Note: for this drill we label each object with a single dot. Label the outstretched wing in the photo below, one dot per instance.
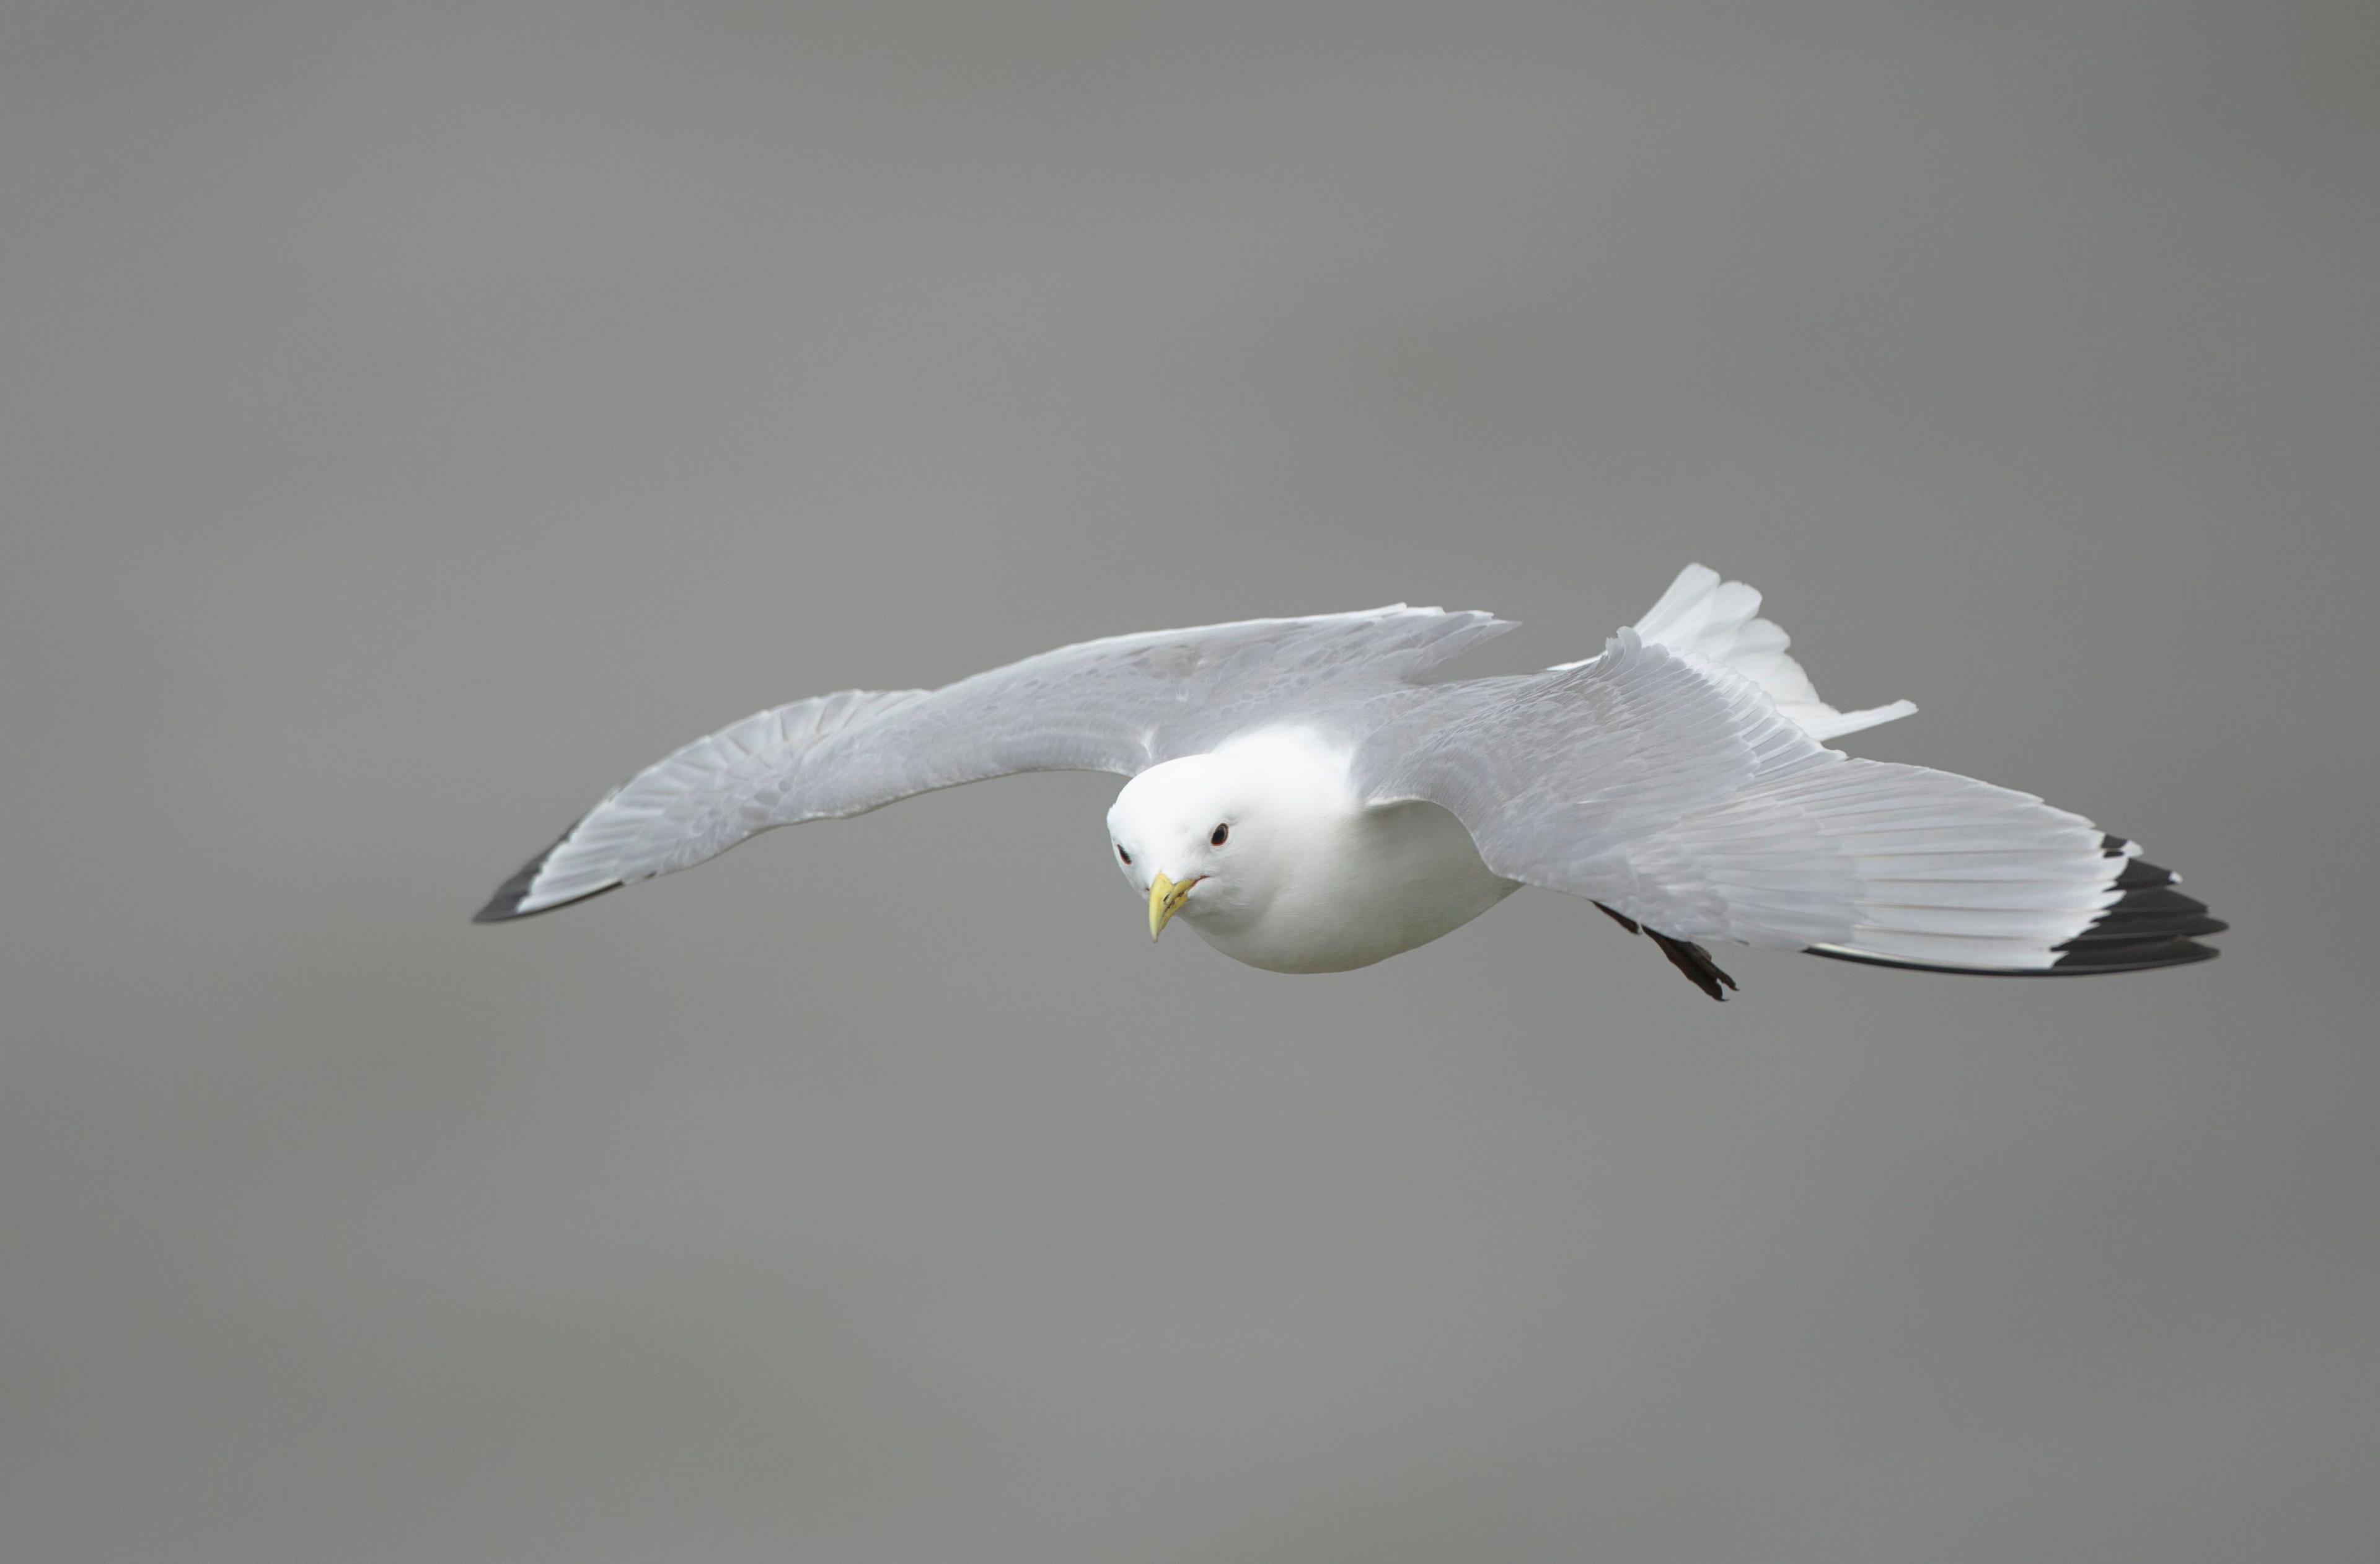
(1672, 789)
(1118, 705)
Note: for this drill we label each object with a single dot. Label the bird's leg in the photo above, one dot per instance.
(1694, 962)
(1684, 954)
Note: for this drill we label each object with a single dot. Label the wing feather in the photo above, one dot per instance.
(1675, 791)
(1117, 705)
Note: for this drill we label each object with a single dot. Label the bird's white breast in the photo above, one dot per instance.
(1360, 885)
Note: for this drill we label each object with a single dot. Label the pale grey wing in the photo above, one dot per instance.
(1674, 791)
(1117, 705)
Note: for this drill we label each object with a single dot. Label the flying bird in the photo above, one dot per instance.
(1308, 798)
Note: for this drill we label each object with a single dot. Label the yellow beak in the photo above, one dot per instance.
(1164, 900)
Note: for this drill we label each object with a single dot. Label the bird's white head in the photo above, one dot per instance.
(1216, 837)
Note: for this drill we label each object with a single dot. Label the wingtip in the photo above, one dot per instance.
(2149, 925)
(504, 906)
(2179, 950)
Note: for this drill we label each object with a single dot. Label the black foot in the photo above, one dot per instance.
(1684, 954)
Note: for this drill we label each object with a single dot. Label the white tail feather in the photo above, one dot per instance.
(1712, 619)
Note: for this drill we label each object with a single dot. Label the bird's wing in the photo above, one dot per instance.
(1674, 789)
(1117, 705)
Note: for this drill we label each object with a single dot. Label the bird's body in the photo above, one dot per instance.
(1309, 798)
(1349, 883)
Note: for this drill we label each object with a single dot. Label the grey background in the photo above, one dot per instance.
(417, 417)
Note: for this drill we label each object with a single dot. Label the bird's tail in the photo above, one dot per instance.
(1714, 620)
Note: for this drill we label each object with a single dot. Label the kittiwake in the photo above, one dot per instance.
(1304, 795)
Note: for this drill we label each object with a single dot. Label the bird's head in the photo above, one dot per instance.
(1191, 836)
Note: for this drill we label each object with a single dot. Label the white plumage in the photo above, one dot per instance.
(1713, 620)
(1310, 799)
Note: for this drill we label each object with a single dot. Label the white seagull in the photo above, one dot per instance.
(1305, 796)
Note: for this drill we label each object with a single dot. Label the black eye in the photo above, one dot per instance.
(1222, 835)
(1124, 856)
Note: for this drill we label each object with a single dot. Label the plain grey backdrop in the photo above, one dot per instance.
(415, 417)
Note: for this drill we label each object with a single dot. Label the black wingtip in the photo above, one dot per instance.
(505, 902)
(2149, 926)
(2138, 956)
(2140, 875)
(504, 906)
